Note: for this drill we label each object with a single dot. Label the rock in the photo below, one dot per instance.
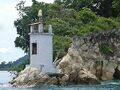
(86, 77)
(86, 53)
(70, 62)
(52, 81)
(56, 62)
(72, 65)
(82, 76)
(29, 77)
(108, 70)
(116, 75)
(64, 80)
(84, 63)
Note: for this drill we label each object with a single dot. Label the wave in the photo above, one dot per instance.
(4, 85)
(111, 82)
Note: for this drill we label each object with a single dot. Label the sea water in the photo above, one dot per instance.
(5, 77)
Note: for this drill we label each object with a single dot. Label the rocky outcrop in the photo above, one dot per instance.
(72, 65)
(98, 54)
(116, 75)
(29, 77)
(89, 59)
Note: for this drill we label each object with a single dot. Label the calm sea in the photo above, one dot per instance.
(5, 77)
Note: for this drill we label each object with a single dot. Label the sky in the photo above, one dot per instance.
(8, 14)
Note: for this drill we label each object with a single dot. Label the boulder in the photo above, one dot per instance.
(116, 75)
(86, 77)
(64, 80)
(70, 62)
(108, 69)
(52, 81)
(30, 76)
(73, 66)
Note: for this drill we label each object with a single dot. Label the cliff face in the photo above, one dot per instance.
(98, 54)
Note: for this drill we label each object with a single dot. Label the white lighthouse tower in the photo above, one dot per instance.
(41, 46)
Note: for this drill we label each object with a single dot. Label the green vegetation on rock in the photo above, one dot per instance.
(106, 49)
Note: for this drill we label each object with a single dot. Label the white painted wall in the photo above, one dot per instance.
(44, 54)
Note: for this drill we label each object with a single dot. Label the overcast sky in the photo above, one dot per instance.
(8, 33)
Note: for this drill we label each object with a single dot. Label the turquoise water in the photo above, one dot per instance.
(101, 87)
(5, 77)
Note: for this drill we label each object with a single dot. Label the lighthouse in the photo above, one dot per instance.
(41, 46)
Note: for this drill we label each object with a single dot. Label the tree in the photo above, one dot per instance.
(69, 18)
(116, 6)
(27, 16)
(2, 65)
(106, 8)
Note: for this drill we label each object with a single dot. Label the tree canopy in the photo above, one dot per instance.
(69, 18)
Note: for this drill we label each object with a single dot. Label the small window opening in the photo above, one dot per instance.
(34, 48)
(35, 28)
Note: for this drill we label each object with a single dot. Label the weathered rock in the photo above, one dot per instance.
(85, 62)
(69, 63)
(116, 75)
(29, 77)
(73, 66)
(86, 53)
(53, 81)
(108, 69)
(64, 80)
(86, 77)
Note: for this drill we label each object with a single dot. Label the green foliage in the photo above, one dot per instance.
(116, 6)
(106, 8)
(60, 45)
(106, 49)
(69, 18)
(27, 16)
(78, 4)
(2, 65)
(86, 16)
(19, 67)
(107, 23)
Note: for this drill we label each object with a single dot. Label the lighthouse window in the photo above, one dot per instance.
(34, 48)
